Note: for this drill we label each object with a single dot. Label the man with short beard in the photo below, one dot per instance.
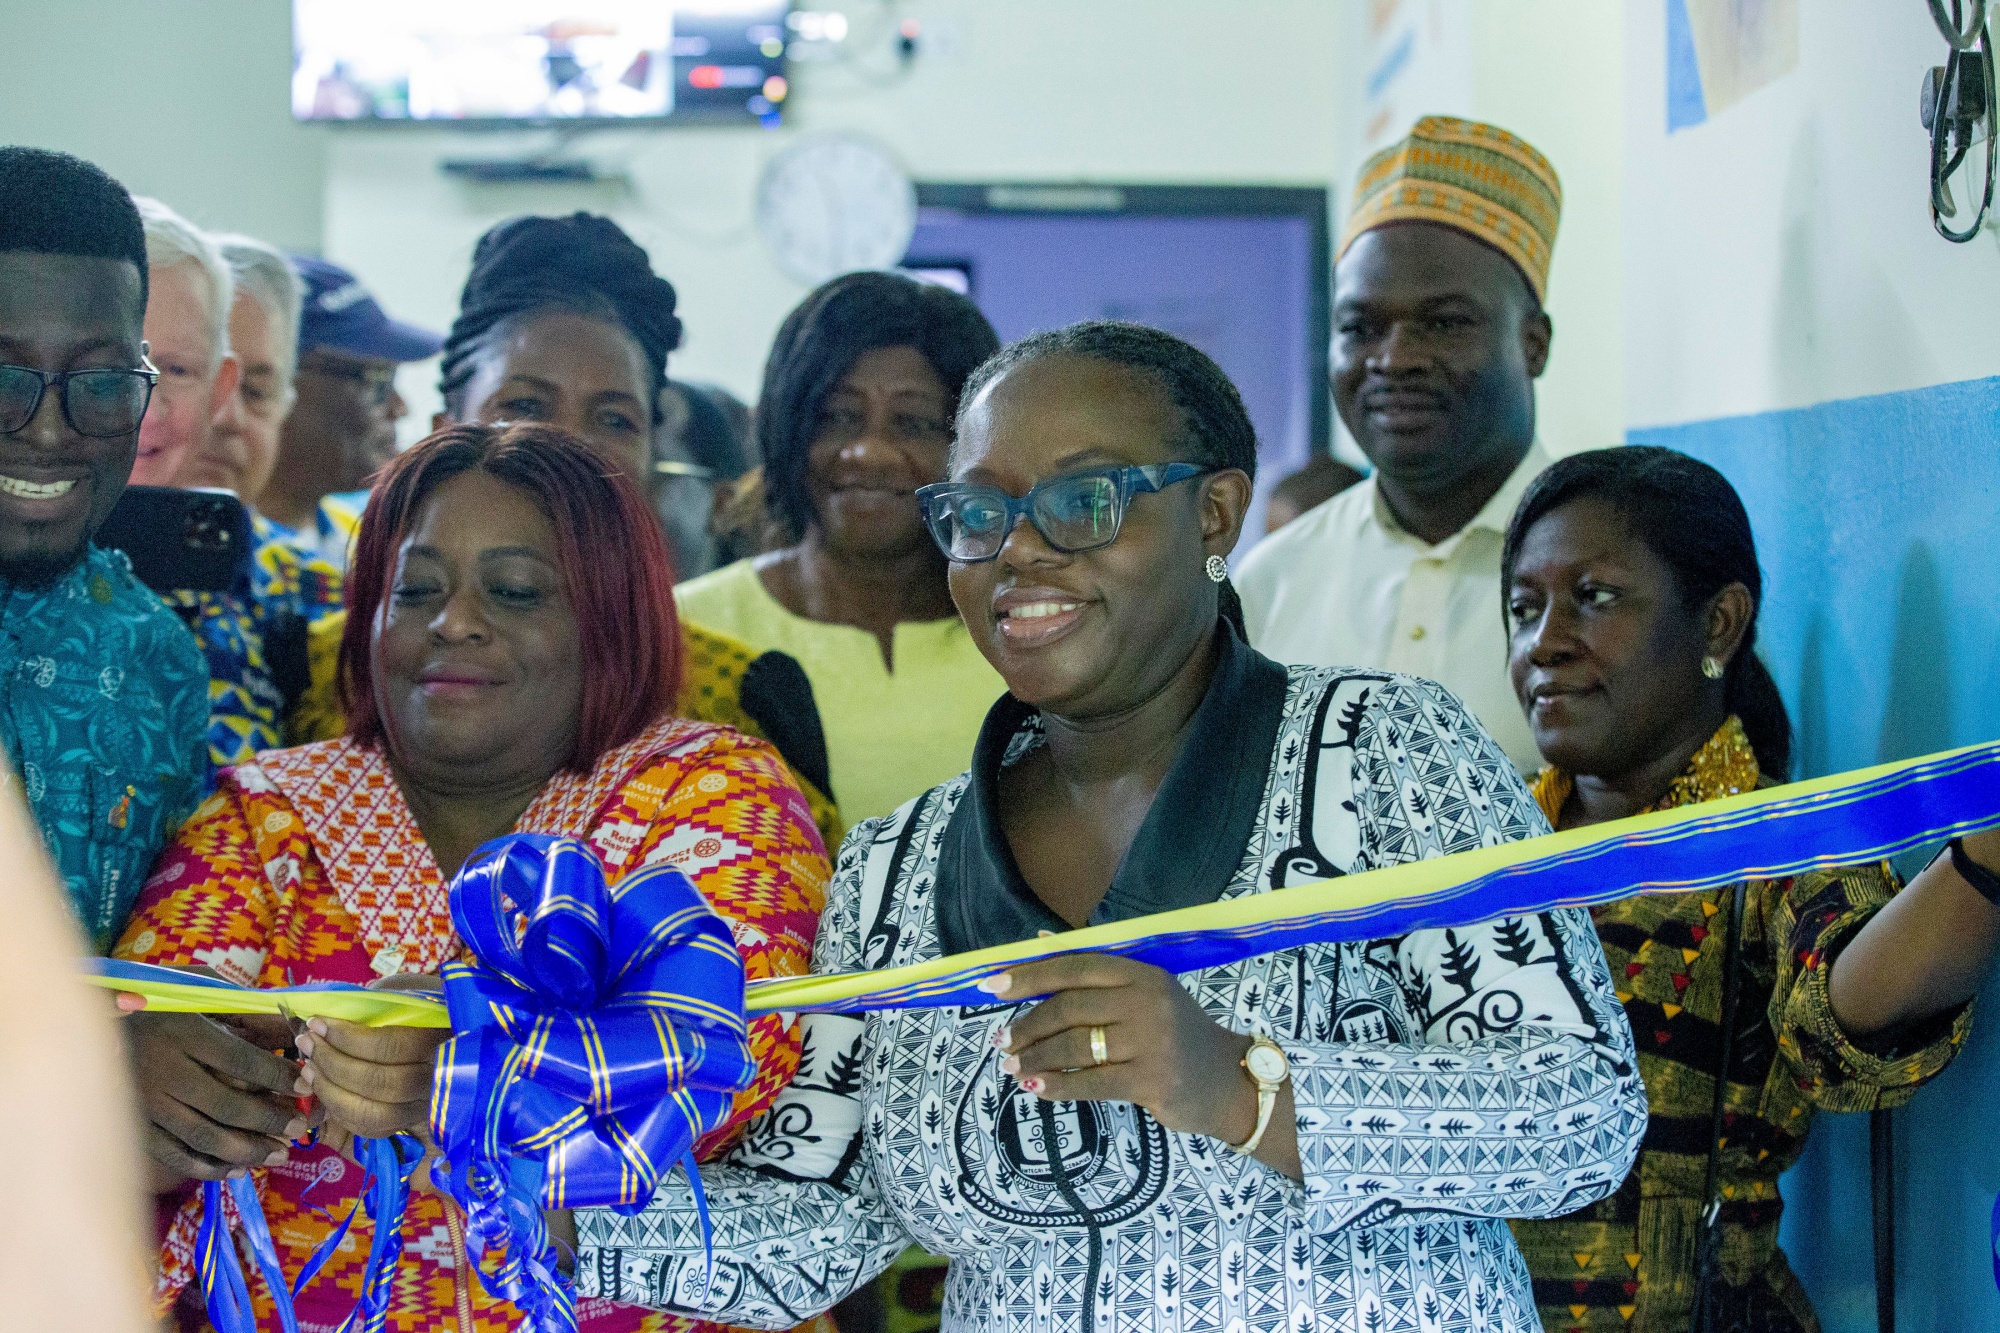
(103, 695)
(1439, 337)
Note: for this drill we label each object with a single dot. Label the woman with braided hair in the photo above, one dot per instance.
(564, 323)
(1330, 1136)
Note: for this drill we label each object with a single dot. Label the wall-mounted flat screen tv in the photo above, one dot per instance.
(538, 62)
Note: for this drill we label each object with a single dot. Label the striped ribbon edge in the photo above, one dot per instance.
(1471, 886)
(1884, 809)
(172, 991)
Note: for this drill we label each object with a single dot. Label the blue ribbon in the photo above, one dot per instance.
(223, 1289)
(390, 1163)
(599, 1035)
(1850, 819)
(385, 1192)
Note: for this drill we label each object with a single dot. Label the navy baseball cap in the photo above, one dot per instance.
(340, 314)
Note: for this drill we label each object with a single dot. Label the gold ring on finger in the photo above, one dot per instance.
(1100, 1050)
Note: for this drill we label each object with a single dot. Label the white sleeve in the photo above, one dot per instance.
(798, 1222)
(1520, 1096)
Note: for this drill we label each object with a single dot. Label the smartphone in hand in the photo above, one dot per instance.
(193, 539)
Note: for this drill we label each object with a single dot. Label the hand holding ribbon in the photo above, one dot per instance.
(595, 1042)
(582, 1074)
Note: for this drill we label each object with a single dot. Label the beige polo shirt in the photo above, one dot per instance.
(1345, 585)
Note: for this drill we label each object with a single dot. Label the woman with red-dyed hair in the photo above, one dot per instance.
(510, 661)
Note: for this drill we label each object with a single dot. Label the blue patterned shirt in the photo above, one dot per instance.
(103, 709)
(246, 705)
(335, 525)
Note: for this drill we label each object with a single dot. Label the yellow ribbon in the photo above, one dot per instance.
(1892, 807)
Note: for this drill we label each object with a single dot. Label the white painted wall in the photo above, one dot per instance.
(184, 99)
(1782, 254)
(1552, 72)
(1133, 90)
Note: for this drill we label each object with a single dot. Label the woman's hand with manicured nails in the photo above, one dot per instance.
(1162, 1050)
(215, 1103)
(374, 1082)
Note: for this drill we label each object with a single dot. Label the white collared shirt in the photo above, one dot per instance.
(1346, 585)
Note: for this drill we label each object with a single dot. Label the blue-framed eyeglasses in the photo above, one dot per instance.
(1077, 512)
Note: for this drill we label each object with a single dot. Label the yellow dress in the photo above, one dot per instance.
(890, 735)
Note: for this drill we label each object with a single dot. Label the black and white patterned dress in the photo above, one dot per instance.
(1444, 1080)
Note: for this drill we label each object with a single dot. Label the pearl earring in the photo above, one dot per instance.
(1711, 668)
(1216, 568)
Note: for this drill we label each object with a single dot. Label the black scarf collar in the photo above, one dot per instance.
(1186, 851)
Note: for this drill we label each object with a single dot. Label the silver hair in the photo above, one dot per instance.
(262, 273)
(171, 239)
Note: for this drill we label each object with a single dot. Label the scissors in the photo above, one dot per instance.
(304, 1101)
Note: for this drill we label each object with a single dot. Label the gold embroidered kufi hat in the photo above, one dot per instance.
(1476, 178)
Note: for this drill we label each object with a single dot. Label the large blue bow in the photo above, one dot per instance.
(600, 1033)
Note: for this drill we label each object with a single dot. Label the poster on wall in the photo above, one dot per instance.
(1721, 51)
(1419, 64)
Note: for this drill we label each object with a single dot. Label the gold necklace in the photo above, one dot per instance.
(1725, 766)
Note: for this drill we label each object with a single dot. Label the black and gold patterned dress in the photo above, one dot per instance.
(1627, 1262)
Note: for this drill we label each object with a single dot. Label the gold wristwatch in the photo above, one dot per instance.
(1268, 1068)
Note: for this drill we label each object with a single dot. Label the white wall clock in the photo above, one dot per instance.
(834, 203)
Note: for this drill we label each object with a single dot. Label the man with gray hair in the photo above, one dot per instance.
(242, 444)
(187, 326)
(255, 635)
(293, 589)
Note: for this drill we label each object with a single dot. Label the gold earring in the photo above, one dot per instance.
(1711, 668)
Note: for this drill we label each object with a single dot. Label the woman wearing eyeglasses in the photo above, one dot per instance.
(855, 415)
(1331, 1134)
